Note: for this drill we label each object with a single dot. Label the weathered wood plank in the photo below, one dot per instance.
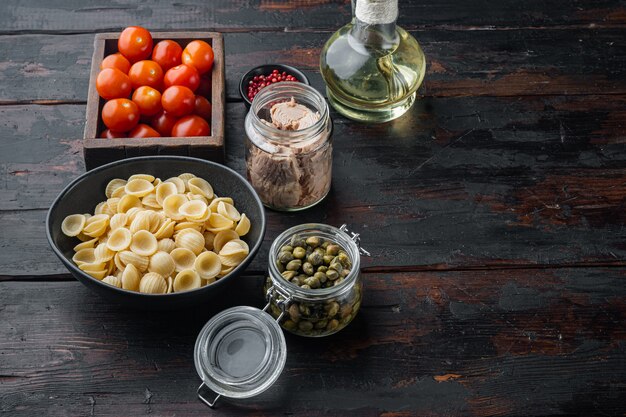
(457, 182)
(87, 16)
(473, 343)
(481, 62)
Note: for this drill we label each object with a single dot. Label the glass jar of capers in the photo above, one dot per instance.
(314, 286)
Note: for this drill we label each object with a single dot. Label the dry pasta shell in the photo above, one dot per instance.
(233, 259)
(222, 238)
(140, 222)
(139, 187)
(88, 244)
(216, 201)
(220, 221)
(103, 208)
(186, 280)
(186, 177)
(209, 239)
(243, 244)
(200, 186)
(83, 237)
(131, 278)
(232, 248)
(147, 177)
(194, 210)
(171, 206)
(150, 201)
(243, 226)
(166, 230)
(120, 239)
(165, 190)
(112, 203)
(143, 243)
(97, 274)
(113, 281)
(96, 225)
(183, 259)
(127, 202)
(73, 224)
(102, 253)
(84, 256)
(93, 267)
(133, 212)
(156, 181)
(179, 183)
(193, 196)
(187, 225)
(127, 257)
(166, 245)
(114, 185)
(229, 211)
(162, 263)
(153, 283)
(119, 264)
(170, 285)
(119, 193)
(208, 265)
(190, 239)
(118, 220)
(225, 271)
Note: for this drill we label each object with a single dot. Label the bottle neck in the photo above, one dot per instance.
(374, 24)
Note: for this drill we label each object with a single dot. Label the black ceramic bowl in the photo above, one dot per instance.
(265, 70)
(82, 195)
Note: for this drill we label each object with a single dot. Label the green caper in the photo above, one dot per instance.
(296, 281)
(331, 274)
(285, 257)
(332, 308)
(286, 248)
(344, 259)
(345, 273)
(297, 241)
(307, 268)
(294, 312)
(289, 325)
(332, 325)
(313, 241)
(336, 265)
(304, 309)
(315, 258)
(328, 259)
(337, 282)
(312, 282)
(321, 277)
(325, 244)
(346, 319)
(294, 265)
(299, 253)
(275, 310)
(333, 249)
(305, 326)
(321, 324)
(305, 287)
(345, 310)
(288, 275)
(280, 266)
(322, 268)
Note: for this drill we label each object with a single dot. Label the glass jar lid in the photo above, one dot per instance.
(239, 353)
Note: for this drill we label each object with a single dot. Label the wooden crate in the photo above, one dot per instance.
(98, 151)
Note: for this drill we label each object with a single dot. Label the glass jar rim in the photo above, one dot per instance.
(319, 293)
(284, 90)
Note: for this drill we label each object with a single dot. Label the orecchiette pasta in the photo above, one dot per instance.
(159, 237)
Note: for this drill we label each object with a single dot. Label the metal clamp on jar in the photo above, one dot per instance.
(242, 351)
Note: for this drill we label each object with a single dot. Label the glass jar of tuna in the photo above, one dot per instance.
(314, 286)
(288, 146)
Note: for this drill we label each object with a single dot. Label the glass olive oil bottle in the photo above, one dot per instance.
(372, 68)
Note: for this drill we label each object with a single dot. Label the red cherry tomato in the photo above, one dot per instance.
(167, 54)
(203, 108)
(178, 100)
(109, 134)
(135, 43)
(120, 114)
(113, 83)
(199, 55)
(163, 123)
(146, 73)
(182, 75)
(143, 131)
(191, 126)
(148, 100)
(117, 61)
(205, 87)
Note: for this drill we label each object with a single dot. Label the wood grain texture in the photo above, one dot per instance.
(505, 337)
(243, 15)
(460, 182)
(459, 63)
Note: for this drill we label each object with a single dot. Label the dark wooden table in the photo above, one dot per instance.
(494, 211)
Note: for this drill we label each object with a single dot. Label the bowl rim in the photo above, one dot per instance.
(296, 71)
(218, 283)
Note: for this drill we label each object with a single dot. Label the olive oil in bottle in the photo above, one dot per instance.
(372, 68)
